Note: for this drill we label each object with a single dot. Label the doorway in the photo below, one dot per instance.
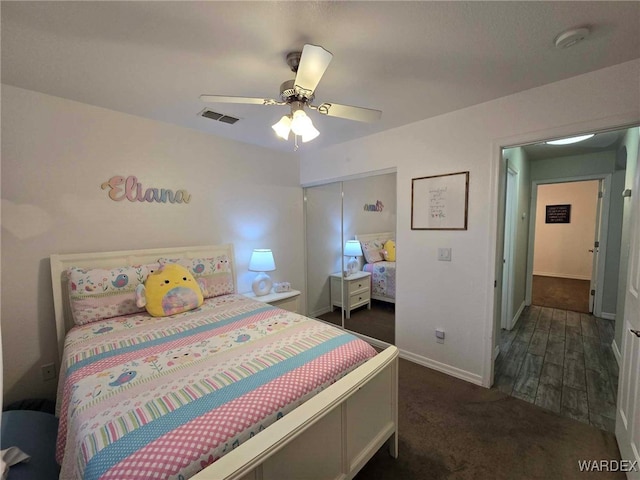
(566, 244)
(558, 358)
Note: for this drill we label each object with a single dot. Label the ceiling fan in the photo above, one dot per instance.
(309, 66)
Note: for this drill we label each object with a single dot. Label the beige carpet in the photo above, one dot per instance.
(563, 293)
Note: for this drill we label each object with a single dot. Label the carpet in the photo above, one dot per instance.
(452, 429)
(563, 293)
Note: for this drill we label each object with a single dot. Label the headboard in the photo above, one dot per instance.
(60, 264)
(372, 236)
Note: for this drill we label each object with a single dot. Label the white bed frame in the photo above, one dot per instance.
(330, 436)
(372, 236)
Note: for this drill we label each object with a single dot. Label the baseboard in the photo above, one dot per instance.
(616, 353)
(442, 367)
(608, 316)
(322, 311)
(516, 317)
(561, 275)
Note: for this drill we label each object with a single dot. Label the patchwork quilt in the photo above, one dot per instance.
(144, 397)
(383, 278)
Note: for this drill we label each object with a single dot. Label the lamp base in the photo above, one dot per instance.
(262, 284)
(352, 266)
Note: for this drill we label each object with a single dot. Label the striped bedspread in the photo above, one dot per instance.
(143, 397)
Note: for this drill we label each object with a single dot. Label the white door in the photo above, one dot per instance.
(596, 249)
(510, 222)
(628, 408)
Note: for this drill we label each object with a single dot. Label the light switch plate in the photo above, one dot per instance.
(444, 254)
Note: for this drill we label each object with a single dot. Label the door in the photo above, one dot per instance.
(628, 408)
(511, 202)
(596, 251)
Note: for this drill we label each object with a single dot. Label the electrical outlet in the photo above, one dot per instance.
(444, 254)
(48, 371)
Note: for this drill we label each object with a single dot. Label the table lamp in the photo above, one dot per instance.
(262, 261)
(352, 249)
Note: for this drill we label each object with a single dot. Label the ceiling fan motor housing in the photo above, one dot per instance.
(289, 93)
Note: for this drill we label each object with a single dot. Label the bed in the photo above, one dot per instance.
(189, 395)
(383, 273)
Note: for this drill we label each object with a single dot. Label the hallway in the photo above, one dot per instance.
(561, 360)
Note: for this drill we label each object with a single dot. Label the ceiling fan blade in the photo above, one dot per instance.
(313, 63)
(250, 100)
(351, 113)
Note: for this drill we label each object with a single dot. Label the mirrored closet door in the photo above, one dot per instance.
(351, 259)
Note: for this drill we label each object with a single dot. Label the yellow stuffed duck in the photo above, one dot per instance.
(170, 290)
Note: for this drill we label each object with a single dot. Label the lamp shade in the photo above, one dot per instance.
(262, 261)
(352, 249)
(283, 127)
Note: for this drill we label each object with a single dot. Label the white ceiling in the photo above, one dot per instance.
(412, 60)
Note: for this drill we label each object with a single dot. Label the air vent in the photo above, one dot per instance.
(220, 117)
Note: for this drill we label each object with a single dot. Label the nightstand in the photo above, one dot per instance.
(286, 300)
(356, 291)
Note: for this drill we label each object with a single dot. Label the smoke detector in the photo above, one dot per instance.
(569, 38)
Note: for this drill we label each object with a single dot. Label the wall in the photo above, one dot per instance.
(368, 190)
(55, 155)
(562, 249)
(459, 295)
(627, 154)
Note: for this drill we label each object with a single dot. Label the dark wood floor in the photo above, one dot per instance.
(563, 361)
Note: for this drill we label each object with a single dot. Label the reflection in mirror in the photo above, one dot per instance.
(351, 268)
(323, 218)
(369, 216)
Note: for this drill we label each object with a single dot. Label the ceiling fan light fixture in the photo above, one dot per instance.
(283, 127)
(311, 133)
(570, 140)
(302, 126)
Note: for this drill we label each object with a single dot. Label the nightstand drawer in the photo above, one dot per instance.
(290, 304)
(357, 286)
(286, 300)
(359, 298)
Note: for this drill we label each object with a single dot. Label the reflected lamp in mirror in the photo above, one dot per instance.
(352, 249)
(262, 261)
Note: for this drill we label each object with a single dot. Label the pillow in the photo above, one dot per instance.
(372, 250)
(214, 273)
(168, 291)
(389, 251)
(96, 294)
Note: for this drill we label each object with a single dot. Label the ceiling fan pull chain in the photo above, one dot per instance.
(295, 143)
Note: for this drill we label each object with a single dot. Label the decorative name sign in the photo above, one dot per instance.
(121, 188)
(377, 207)
(558, 214)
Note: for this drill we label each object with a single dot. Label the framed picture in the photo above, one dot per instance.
(440, 202)
(557, 214)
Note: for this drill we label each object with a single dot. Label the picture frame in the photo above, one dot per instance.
(440, 202)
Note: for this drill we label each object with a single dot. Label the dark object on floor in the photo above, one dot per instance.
(35, 434)
(451, 429)
(564, 293)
